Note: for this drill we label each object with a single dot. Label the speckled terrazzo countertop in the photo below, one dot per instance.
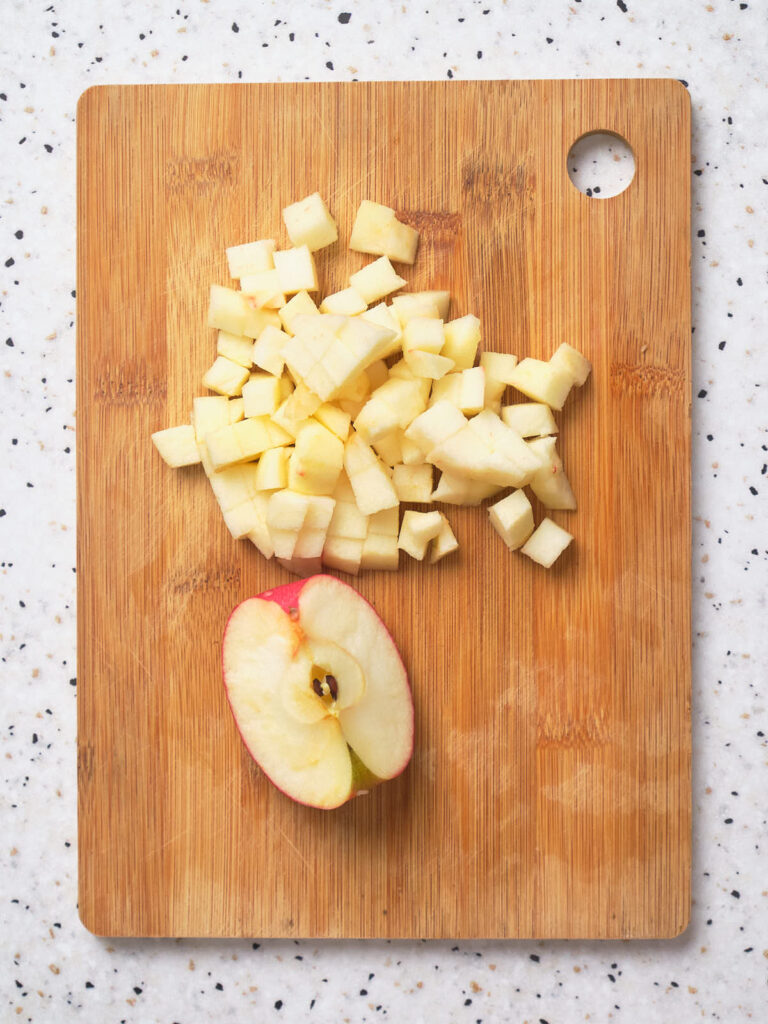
(54, 970)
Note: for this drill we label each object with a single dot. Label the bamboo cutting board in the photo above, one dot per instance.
(549, 791)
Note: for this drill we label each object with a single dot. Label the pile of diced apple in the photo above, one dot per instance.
(327, 416)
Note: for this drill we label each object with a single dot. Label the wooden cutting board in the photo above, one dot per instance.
(549, 791)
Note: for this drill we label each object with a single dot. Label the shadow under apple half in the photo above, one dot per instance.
(318, 690)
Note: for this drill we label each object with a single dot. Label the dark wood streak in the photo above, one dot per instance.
(492, 183)
(188, 582)
(648, 381)
(200, 174)
(126, 386)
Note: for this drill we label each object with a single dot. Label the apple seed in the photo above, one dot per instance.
(328, 686)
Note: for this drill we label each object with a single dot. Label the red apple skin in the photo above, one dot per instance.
(287, 597)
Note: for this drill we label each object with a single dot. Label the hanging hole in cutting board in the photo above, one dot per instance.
(601, 164)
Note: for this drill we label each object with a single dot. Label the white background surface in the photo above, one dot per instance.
(51, 969)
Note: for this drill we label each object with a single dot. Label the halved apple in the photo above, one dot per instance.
(318, 690)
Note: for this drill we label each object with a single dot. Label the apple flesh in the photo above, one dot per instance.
(318, 691)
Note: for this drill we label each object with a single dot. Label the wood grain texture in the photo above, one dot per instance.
(549, 792)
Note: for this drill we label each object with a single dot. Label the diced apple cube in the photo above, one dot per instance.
(235, 410)
(512, 518)
(348, 521)
(444, 543)
(417, 530)
(309, 222)
(258, 535)
(302, 403)
(301, 304)
(486, 449)
(383, 316)
(376, 420)
(343, 554)
(502, 440)
(177, 445)
(232, 486)
(263, 289)
(376, 280)
(296, 270)
(240, 442)
(380, 552)
(462, 337)
(408, 397)
(498, 366)
(459, 490)
(403, 371)
(249, 430)
(424, 334)
(231, 311)
(282, 419)
(427, 364)
(395, 404)
(339, 370)
(335, 419)
(549, 483)
(272, 469)
(261, 282)
(377, 231)
(373, 489)
(415, 305)
(347, 302)
(357, 388)
(209, 413)
(261, 394)
(413, 483)
(224, 448)
(242, 519)
(225, 377)
(571, 362)
(328, 365)
(410, 453)
(472, 391)
(350, 407)
(530, 419)
(286, 512)
(310, 347)
(268, 348)
(343, 492)
(546, 543)
(314, 530)
(287, 387)
(389, 448)
(367, 340)
(447, 389)
(317, 460)
(235, 347)
(542, 382)
(494, 390)
(434, 426)
(251, 257)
